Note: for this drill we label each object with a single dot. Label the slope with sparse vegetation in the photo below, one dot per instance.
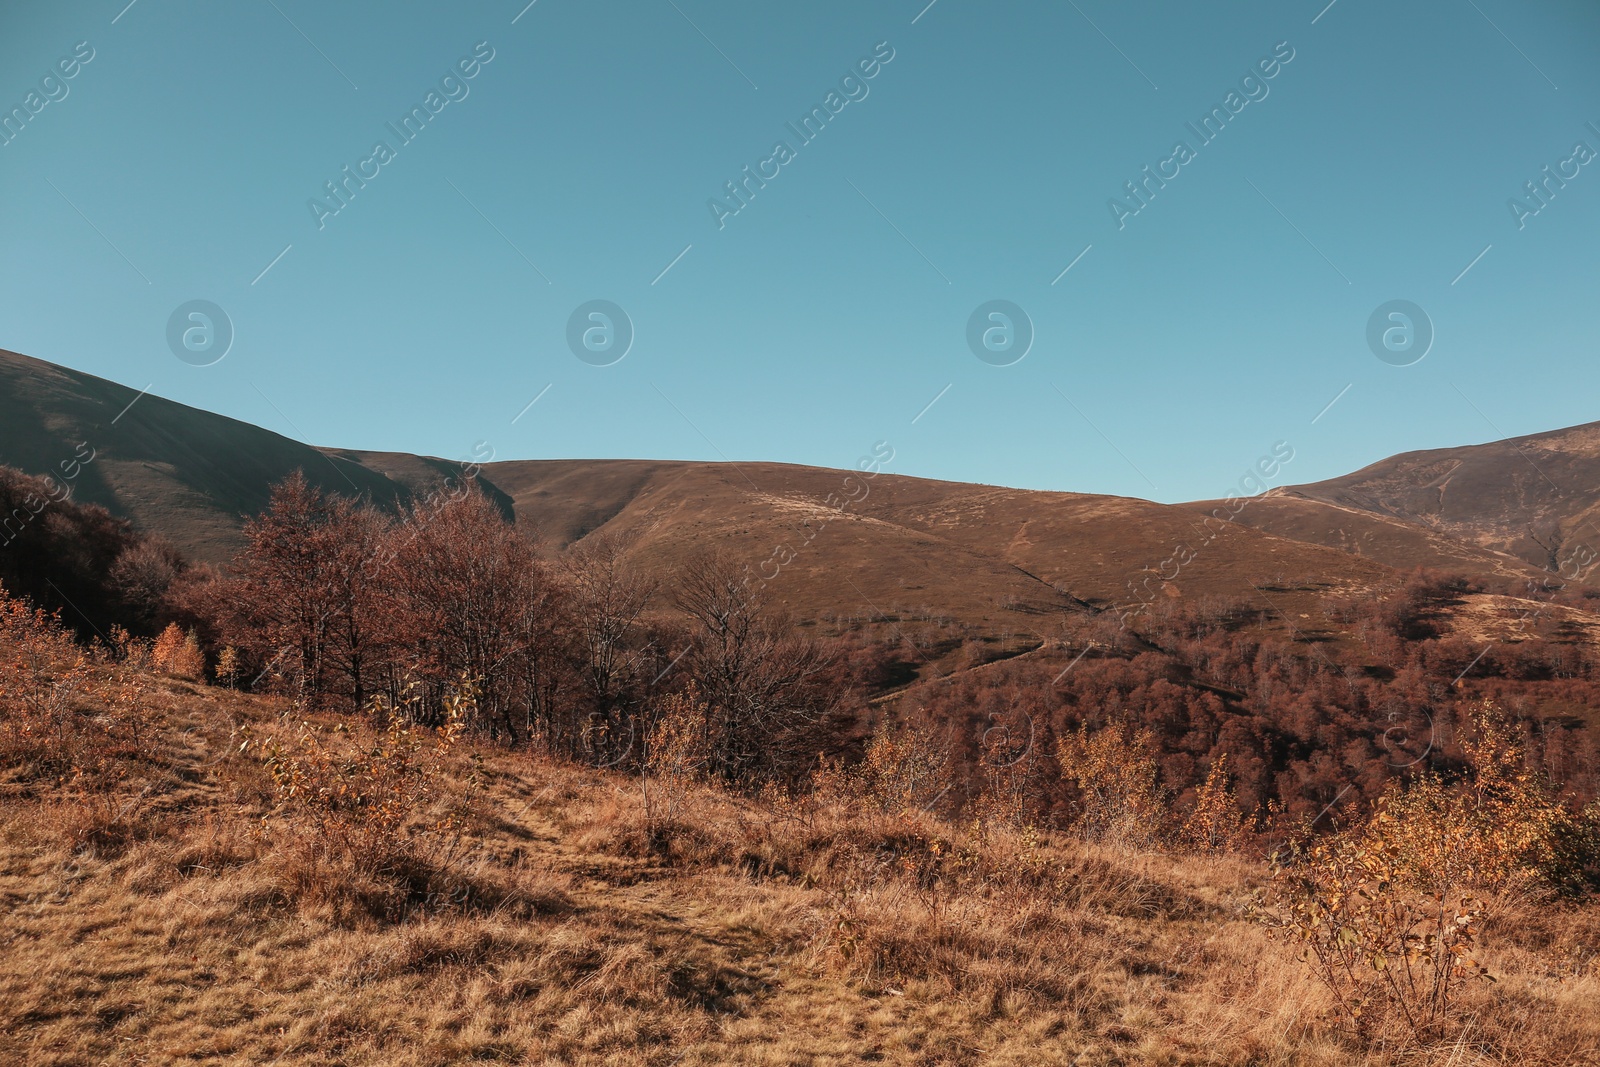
(190, 873)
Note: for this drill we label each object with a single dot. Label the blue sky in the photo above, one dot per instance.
(975, 165)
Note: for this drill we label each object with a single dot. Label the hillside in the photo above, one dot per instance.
(1003, 560)
(1012, 567)
(176, 906)
(1383, 538)
(185, 474)
(997, 559)
(1534, 499)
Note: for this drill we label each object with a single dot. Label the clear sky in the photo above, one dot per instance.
(980, 161)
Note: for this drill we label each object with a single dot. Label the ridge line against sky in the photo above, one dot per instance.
(1095, 247)
(478, 457)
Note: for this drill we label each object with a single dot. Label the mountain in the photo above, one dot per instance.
(911, 545)
(186, 474)
(1506, 507)
(995, 561)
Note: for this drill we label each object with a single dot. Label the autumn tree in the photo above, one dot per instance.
(190, 662)
(167, 646)
(282, 604)
(472, 600)
(763, 683)
(607, 601)
(142, 577)
(353, 542)
(310, 587)
(228, 669)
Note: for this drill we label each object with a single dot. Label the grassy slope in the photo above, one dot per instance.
(187, 474)
(1373, 535)
(1503, 496)
(183, 928)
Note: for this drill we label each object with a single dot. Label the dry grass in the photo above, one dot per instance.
(182, 916)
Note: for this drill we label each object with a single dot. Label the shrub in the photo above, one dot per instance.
(1115, 772)
(134, 653)
(902, 770)
(677, 751)
(42, 670)
(1388, 914)
(41, 666)
(361, 790)
(1384, 949)
(1501, 832)
(1011, 777)
(1216, 824)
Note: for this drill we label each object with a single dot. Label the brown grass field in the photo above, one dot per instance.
(172, 907)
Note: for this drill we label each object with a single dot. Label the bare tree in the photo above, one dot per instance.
(765, 686)
(473, 600)
(608, 599)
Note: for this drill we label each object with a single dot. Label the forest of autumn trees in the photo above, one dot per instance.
(1309, 730)
(338, 603)
(341, 604)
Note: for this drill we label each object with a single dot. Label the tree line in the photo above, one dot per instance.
(341, 603)
(576, 653)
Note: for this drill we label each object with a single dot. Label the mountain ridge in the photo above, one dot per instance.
(829, 540)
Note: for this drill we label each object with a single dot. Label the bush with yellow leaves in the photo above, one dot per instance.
(363, 791)
(1386, 951)
(1500, 832)
(1217, 824)
(903, 770)
(1114, 768)
(1388, 914)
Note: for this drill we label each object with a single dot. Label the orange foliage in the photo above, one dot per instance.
(1115, 771)
(362, 790)
(178, 654)
(48, 682)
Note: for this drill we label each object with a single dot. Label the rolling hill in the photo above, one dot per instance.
(1535, 499)
(832, 543)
